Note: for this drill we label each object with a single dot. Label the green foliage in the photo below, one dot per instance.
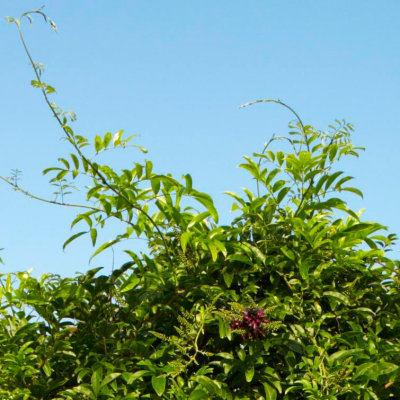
(295, 299)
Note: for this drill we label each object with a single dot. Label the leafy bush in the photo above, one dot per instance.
(295, 299)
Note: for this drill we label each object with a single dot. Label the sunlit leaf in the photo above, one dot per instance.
(72, 238)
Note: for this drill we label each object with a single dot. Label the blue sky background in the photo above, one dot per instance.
(175, 73)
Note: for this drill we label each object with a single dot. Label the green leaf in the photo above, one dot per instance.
(207, 202)
(47, 368)
(249, 373)
(280, 157)
(93, 235)
(278, 185)
(185, 236)
(222, 329)
(142, 149)
(198, 218)
(331, 179)
(11, 20)
(327, 205)
(303, 269)
(288, 253)
(8, 284)
(241, 354)
(340, 355)
(36, 84)
(104, 246)
(236, 197)
(130, 377)
(117, 138)
(199, 395)
(214, 250)
(139, 170)
(240, 258)
(107, 139)
(270, 392)
(158, 383)
(98, 143)
(252, 168)
(282, 194)
(73, 237)
(49, 89)
(59, 176)
(341, 298)
(320, 183)
(211, 385)
(155, 184)
(332, 151)
(148, 169)
(47, 170)
(369, 370)
(131, 283)
(385, 367)
(227, 356)
(341, 181)
(360, 227)
(85, 217)
(65, 162)
(272, 175)
(260, 256)
(228, 278)
(96, 379)
(109, 378)
(189, 182)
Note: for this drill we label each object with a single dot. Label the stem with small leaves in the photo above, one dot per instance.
(70, 136)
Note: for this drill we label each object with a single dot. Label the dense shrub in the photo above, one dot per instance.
(295, 299)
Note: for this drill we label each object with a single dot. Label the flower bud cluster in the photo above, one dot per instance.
(252, 323)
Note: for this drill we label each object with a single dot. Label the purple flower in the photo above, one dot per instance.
(253, 323)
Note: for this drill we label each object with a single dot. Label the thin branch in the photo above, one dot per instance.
(277, 101)
(58, 203)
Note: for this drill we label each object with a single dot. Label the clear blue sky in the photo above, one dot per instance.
(175, 73)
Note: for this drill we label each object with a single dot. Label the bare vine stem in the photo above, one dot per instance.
(277, 101)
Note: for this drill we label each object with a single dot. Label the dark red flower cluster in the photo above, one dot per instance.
(253, 323)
